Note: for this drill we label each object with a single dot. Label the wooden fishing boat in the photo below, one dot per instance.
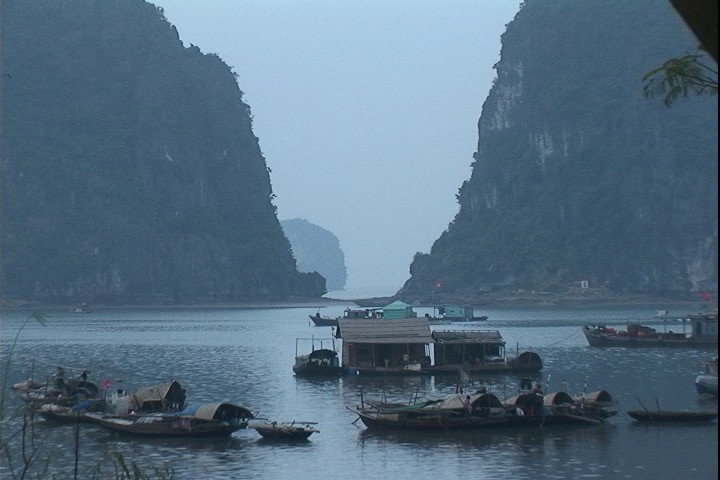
(58, 389)
(599, 403)
(285, 430)
(671, 416)
(321, 362)
(480, 410)
(355, 313)
(557, 408)
(55, 413)
(210, 419)
(455, 313)
(323, 321)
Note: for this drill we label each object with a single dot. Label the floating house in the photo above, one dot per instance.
(478, 351)
(396, 345)
(398, 309)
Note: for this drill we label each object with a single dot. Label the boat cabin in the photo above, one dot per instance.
(165, 397)
(704, 325)
(455, 312)
(362, 313)
(398, 309)
(469, 348)
(398, 345)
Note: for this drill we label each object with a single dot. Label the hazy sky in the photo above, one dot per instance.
(366, 111)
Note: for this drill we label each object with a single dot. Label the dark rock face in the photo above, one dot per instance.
(316, 250)
(577, 176)
(130, 172)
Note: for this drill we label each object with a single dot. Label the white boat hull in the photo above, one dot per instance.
(707, 384)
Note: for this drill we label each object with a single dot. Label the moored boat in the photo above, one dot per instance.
(60, 389)
(671, 416)
(458, 411)
(600, 403)
(532, 407)
(319, 362)
(356, 313)
(69, 414)
(455, 313)
(707, 383)
(209, 419)
(704, 334)
(285, 431)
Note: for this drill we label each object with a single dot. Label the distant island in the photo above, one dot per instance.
(316, 250)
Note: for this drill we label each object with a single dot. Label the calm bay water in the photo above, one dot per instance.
(246, 355)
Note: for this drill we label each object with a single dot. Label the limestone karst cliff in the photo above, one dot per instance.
(130, 171)
(317, 250)
(578, 177)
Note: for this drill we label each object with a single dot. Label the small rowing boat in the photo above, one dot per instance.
(285, 430)
(671, 416)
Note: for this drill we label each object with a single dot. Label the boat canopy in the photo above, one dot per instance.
(557, 398)
(215, 411)
(599, 397)
(522, 399)
(477, 400)
(321, 354)
(157, 397)
(528, 360)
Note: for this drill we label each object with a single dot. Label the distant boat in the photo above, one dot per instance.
(321, 321)
(455, 313)
(703, 334)
(82, 308)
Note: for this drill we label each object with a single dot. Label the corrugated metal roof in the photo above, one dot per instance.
(396, 330)
(468, 336)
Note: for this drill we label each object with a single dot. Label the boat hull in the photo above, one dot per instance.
(597, 339)
(284, 432)
(378, 420)
(323, 321)
(671, 416)
(707, 384)
(177, 427)
(315, 372)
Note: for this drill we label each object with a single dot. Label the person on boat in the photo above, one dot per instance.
(467, 406)
(59, 381)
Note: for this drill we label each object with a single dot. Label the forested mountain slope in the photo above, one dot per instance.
(130, 171)
(577, 176)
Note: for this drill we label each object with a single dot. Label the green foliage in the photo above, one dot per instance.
(677, 77)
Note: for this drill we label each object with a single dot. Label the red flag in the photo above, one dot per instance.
(704, 296)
